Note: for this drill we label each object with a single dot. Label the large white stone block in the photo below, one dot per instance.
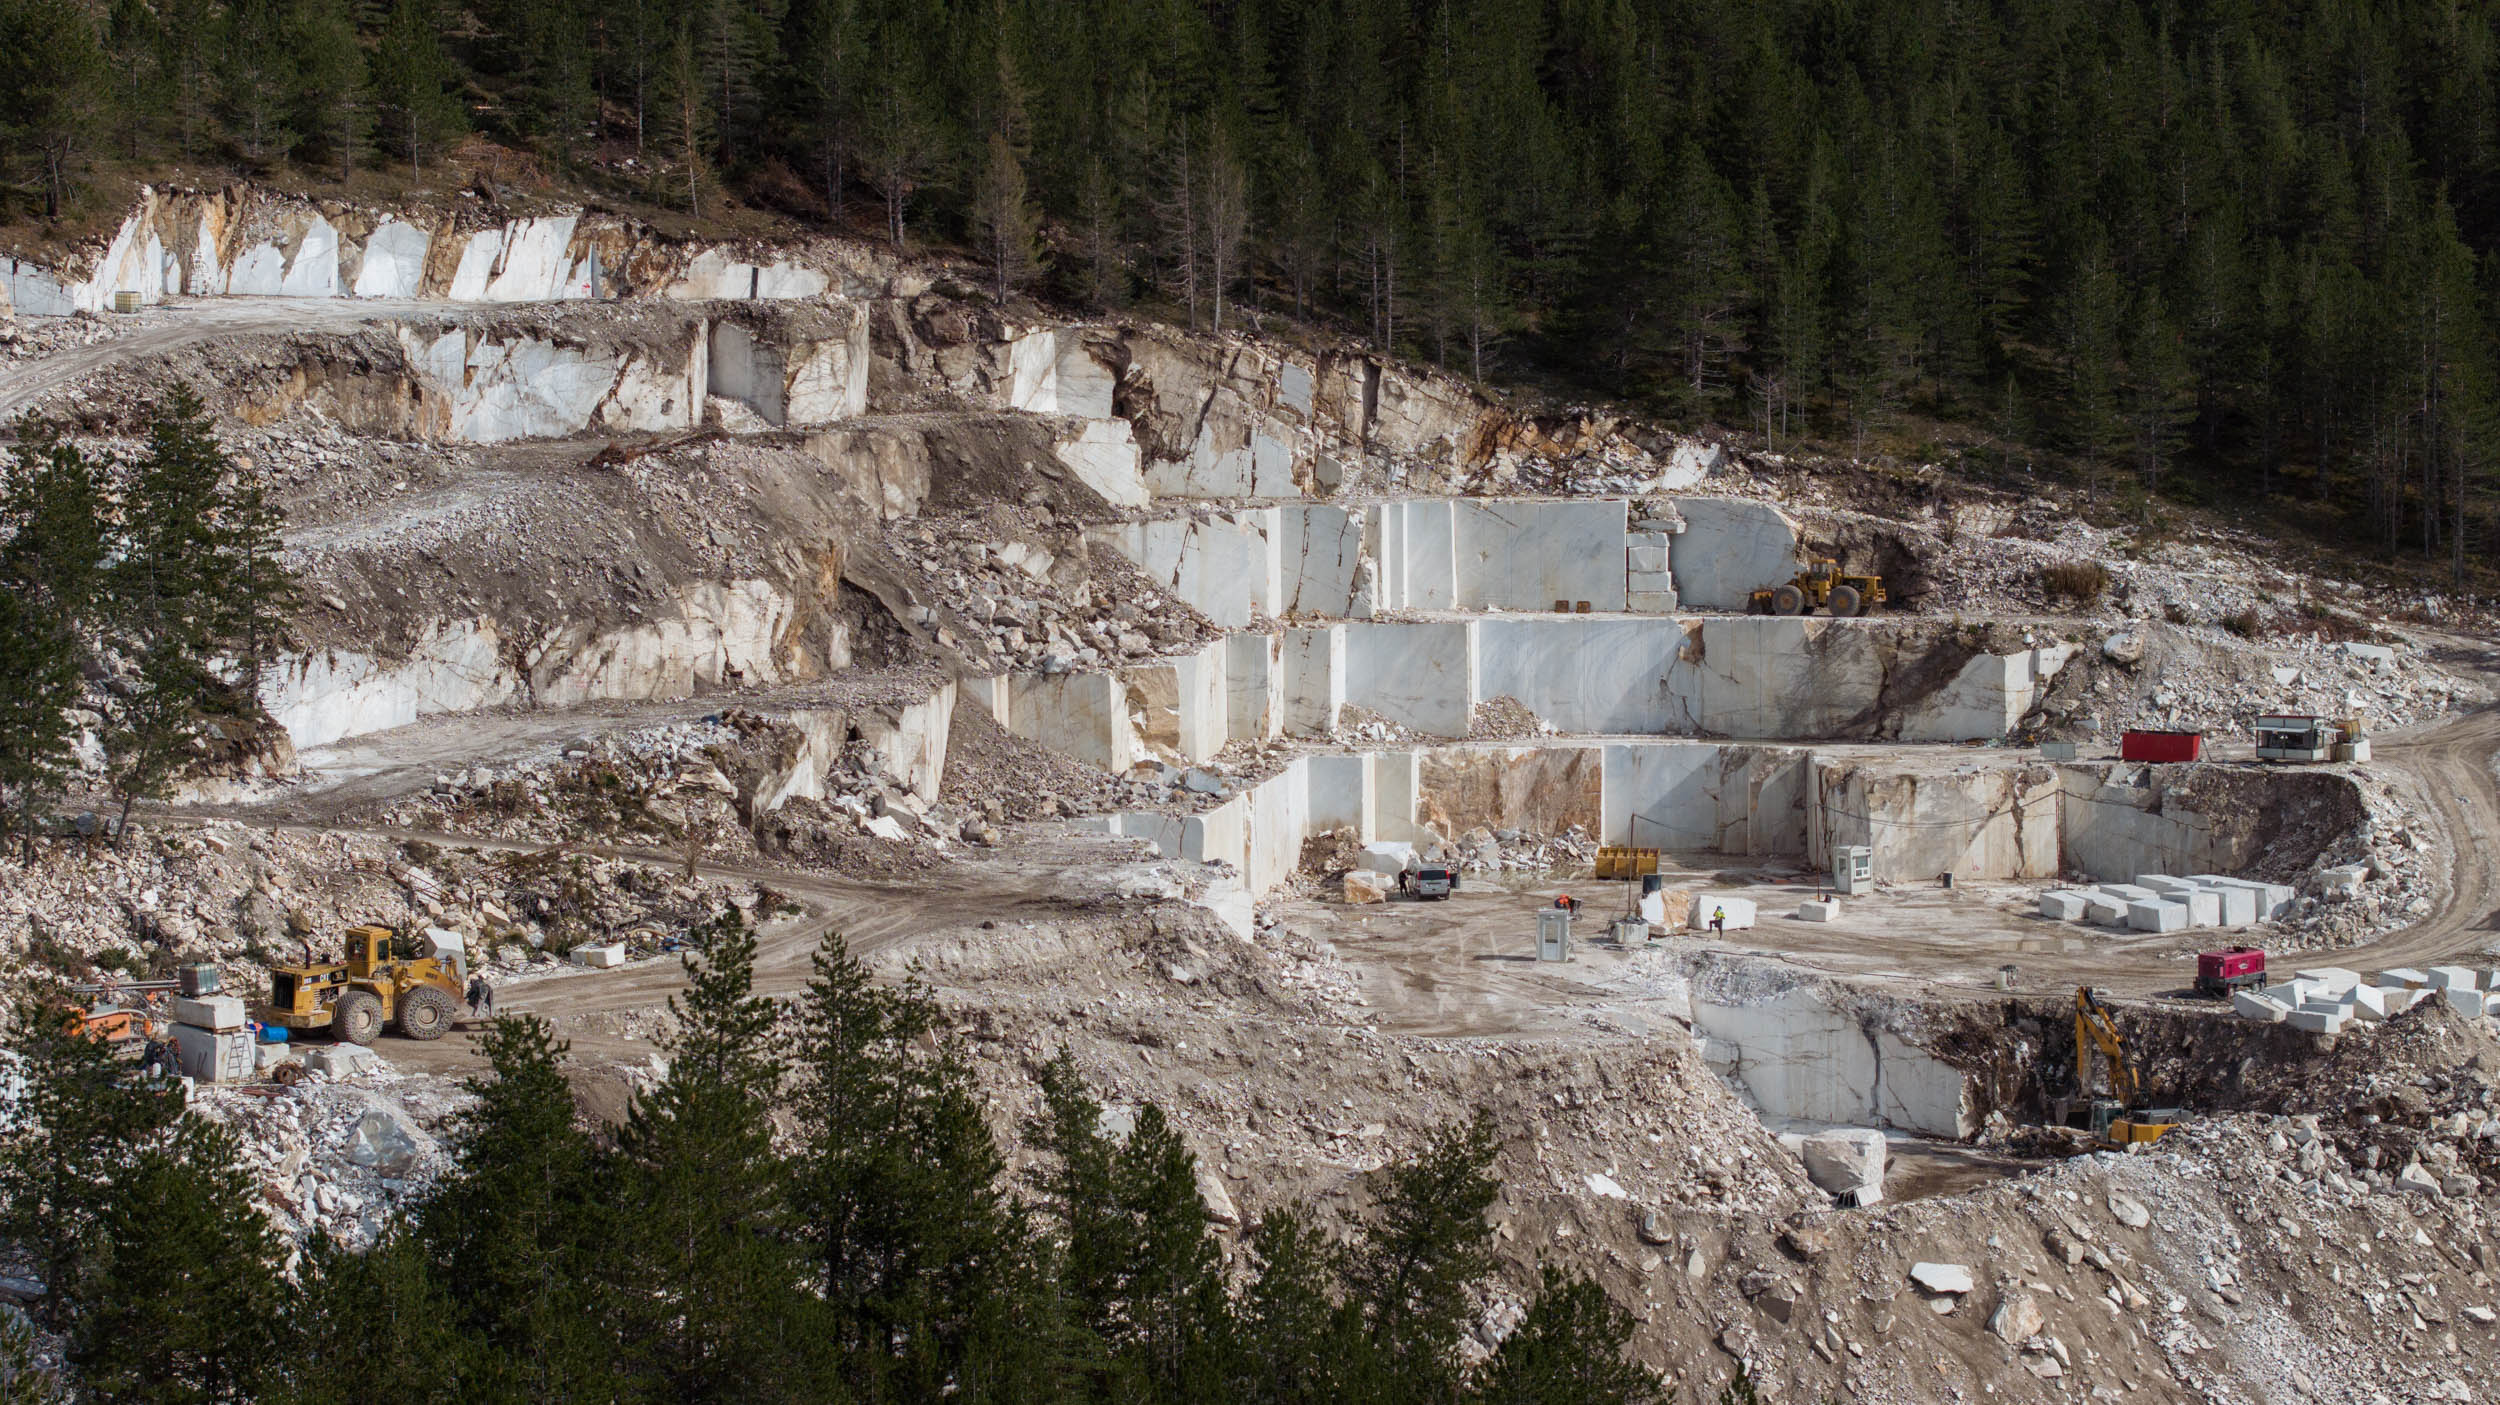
(2064, 906)
(1846, 1161)
(1730, 548)
(1103, 456)
(2238, 905)
(1314, 687)
(1254, 705)
(1422, 676)
(1319, 556)
(2271, 898)
(2157, 915)
(1798, 1057)
(394, 260)
(2451, 978)
(2256, 1005)
(1519, 555)
(1739, 912)
(2334, 979)
(2316, 1021)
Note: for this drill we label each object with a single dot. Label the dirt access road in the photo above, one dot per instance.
(181, 322)
(1037, 885)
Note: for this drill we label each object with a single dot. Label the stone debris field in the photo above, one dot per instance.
(1320, 751)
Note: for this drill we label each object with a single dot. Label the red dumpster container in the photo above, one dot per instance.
(2160, 746)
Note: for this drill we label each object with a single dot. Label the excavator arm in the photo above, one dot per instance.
(2096, 1030)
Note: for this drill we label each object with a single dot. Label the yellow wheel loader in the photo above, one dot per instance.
(415, 985)
(1822, 586)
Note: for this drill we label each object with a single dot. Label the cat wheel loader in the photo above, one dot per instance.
(1822, 585)
(386, 978)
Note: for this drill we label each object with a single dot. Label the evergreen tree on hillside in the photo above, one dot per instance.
(411, 80)
(1302, 1342)
(256, 79)
(708, 1260)
(515, 1237)
(334, 98)
(39, 683)
(72, 1119)
(179, 1309)
(379, 1313)
(1425, 1244)
(1568, 1350)
(53, 88)
(931, 1277)
(1005, 221)
(51, 574)
(1141, 1269)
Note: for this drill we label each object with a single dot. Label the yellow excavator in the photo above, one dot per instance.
(2115, 1117)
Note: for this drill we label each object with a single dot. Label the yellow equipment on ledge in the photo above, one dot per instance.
(1621, 861)
(416, 985)
(1822, 586)
(2115, 1118)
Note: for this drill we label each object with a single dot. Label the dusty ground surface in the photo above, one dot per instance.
(2323, 1231)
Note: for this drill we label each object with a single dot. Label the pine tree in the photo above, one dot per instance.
(2158, 401)
(51, 573)
(52, 82)
(687, 113)
(179, 1307)
(151, 737)
(75, 1117)
(39, 683)
(516, 1236)
(410, 76)
(1426, 1242)
(1141, 1269)
(379, 1313)
(1302, 1343)
(1004, 220)
(171, 583)
(334, 106)
(822, 41)
(133, 42)
(1227, 220)
(928, 1270)
(1568, 1350)
(256, 590)
(256, 79)
(709, 1265)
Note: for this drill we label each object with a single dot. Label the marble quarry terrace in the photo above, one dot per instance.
(831, 543)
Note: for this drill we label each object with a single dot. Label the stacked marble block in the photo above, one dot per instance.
(2156, 902)
(2327, 998)
(1650, 586)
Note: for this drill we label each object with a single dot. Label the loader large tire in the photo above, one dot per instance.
(1844, 602)
(356, 1017)
(1788, 600)
(427, 1013)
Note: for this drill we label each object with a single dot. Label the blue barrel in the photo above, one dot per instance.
(273, 1034)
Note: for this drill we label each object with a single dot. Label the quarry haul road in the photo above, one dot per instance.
(872, 916)
(177, 323)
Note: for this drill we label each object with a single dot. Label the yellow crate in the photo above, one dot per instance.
(1621, 861)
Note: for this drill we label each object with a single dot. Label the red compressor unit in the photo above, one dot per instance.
(2218, 973)
(2161, 746)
